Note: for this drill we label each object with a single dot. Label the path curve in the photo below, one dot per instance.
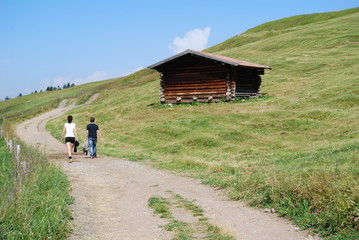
(111, 195)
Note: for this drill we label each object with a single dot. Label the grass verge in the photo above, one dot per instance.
(35, 197)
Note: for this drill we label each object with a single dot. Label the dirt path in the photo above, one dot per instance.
(111, 196)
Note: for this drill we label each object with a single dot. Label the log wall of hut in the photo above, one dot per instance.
(189, 79)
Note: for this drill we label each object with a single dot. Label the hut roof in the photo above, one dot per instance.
(219, 58)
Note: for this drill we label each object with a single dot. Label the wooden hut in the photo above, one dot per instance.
(205, 77)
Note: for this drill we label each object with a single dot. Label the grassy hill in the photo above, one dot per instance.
(278, 27)
(296, 149)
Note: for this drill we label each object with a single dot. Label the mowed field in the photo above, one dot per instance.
(296, 149)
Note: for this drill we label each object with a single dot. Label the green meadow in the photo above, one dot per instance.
(34, 200)
(295, 149)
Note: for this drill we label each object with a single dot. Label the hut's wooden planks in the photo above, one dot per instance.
(197, 76)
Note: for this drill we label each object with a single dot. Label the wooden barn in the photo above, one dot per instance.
(205, 77)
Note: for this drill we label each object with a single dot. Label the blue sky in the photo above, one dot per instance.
(52, 42)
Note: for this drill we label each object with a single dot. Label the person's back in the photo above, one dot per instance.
(70, 129)
(92, 130)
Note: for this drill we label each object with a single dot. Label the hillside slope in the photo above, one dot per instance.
(278, 27)
(296, 149)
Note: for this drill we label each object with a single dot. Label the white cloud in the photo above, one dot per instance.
(64, 79)
(133, 71)
(94, 77)
(25, 91)
(195, 39)
(61, 80)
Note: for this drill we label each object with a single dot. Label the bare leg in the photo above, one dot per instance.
(69, 150)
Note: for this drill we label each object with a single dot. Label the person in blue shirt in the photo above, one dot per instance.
(92, 131)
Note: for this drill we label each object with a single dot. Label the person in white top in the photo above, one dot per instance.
(70, 133)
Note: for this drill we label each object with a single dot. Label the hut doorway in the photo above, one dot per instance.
(247, 82)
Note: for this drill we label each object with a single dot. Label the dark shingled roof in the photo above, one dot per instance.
(219, 58)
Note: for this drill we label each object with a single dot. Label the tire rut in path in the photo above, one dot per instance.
(111, 195)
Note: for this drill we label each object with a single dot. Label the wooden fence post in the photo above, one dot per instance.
(19, 165)
(10, 145)
(18, 153)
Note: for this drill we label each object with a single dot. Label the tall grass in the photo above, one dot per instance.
(323, 197)
(34, 196)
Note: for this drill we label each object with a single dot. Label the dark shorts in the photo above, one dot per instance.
(70, 139)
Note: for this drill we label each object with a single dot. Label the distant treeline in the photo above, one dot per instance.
(48, 89)
(68, 85)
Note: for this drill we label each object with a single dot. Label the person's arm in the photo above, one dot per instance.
(99, 133)
(63, 133)
(75, 131)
